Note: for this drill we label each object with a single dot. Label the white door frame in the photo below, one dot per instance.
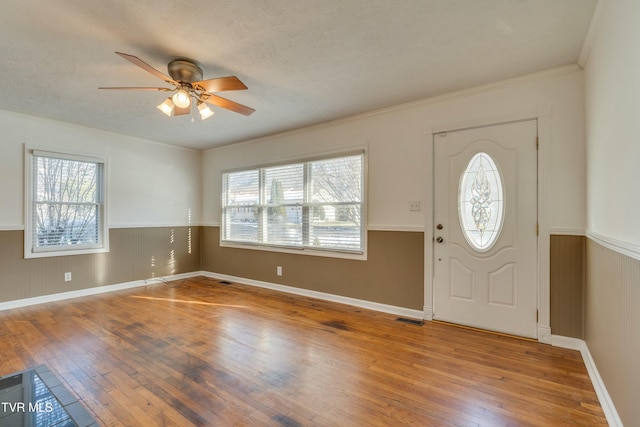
(543, 116)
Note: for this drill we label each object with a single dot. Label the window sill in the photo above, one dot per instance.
(358, 256)
(69, 252)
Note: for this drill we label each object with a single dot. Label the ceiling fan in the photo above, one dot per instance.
(188, 86)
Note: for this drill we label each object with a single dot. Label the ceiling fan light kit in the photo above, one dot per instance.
(167, 107)
(205, 111)
(186, 79)
(181, 99)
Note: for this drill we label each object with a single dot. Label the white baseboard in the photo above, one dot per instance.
(598, 384)
(92, 291)
(385, 308)
(567, 342)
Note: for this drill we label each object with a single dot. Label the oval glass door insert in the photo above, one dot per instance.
(481, 202)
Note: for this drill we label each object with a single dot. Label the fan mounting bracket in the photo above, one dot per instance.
(184, 71)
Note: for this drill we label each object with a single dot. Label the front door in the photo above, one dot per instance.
(485, 235)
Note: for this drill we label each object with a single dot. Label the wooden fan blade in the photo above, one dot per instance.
(220, 84)
(177, 111)
(225, 103)
(148, 68)
(136, 88)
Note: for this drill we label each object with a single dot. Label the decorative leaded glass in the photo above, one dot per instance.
(481, 202)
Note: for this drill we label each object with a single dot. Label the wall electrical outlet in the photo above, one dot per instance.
(279, 270)
(414, 205)
(67, 276)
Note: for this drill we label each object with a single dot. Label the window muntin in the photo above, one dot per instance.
(305, 205)
(65, 211)
(481, 202)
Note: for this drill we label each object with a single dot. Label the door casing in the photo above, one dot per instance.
(543, 114)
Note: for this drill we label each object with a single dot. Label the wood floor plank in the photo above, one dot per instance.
(197, 352)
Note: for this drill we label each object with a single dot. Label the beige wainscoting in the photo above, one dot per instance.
(393, 273)
(567, 283)
(612, 325)
(135, 254)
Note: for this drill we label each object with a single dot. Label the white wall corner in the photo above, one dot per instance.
(544, 334)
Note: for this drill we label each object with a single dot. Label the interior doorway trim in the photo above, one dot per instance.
(543, 115)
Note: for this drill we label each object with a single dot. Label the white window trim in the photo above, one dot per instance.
(28, 205)
(329, 253)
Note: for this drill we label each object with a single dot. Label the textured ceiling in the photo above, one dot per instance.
(304, 61)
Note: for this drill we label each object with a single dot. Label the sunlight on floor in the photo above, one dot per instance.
(188, 302)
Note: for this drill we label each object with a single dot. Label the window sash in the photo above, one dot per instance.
(44, 241)
(65, 210)
(296, 216)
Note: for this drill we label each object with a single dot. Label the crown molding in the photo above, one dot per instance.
(594, 28)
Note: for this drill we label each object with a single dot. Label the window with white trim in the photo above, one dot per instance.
(64, 204)
(317, 204)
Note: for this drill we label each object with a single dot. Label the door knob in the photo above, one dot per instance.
(439, 239)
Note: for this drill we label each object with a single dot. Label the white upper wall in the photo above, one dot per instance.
(149, 184)
(612, 92)
(153, 184)
(399, 148)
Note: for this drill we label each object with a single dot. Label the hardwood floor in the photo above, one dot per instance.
(197, 352)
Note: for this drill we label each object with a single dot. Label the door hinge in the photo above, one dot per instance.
(537, 316)
(537, 228)
(537, 143)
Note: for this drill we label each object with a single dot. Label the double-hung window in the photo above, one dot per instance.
(316, 204)
(65, 210)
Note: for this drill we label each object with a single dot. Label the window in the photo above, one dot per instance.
(481, 202)
(306, 205)
(65, 205)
